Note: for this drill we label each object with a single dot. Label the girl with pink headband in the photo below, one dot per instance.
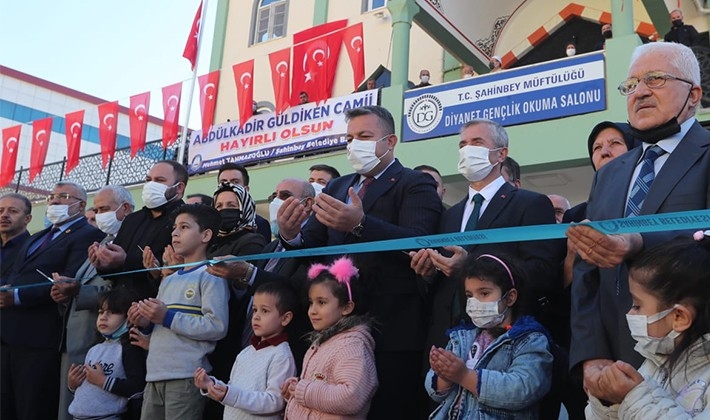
(339, 377)
(499, 366)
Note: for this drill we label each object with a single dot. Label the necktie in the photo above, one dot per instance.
(643, 181)
(363, 188)
(273, 261)
(473, 219)
(46, 239)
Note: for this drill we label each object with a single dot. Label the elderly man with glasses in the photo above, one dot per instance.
(30, 325)
(669, 173)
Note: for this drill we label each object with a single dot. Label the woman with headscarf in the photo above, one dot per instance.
(237, 232)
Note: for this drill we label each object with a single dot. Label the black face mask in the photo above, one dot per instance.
(663, 131)
(230, 220)
(607, 34)
(677, 23)
(491, 65)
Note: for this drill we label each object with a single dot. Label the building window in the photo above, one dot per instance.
(368, 5)
(270, 20)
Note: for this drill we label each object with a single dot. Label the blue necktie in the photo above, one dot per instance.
(473, 219)
(643, 181)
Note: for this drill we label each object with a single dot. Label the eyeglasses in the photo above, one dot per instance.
(283, 195)
(62, 196)
(653, 80)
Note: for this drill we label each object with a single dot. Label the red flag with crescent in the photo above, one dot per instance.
(108, 127)
(209, 84)
(74, 123)
(41, 132)
(280, 76)
(245, 89)
(171, 110)
(315, 58)
(355, 46)
(10, 141)
(190, 51)
(138, 121)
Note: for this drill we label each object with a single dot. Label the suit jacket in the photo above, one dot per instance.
(8, 254)
(79, 314)
(600, 297)
(541, 259)
(401, 203)
(36, 322)
(140, 228)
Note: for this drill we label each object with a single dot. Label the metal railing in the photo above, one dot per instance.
(122, 170)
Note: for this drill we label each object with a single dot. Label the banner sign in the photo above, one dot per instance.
(299, 130)
(540, 92)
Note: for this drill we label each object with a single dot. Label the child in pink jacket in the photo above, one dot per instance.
(339, 377)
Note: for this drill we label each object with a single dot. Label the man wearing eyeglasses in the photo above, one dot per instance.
(30, 326)
(669, 173)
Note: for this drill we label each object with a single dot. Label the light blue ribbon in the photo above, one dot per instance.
(688, 220)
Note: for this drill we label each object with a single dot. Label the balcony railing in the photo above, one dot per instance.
(122, 170)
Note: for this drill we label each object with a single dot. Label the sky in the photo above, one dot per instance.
(109, 49)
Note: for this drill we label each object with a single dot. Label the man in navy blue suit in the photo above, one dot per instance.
(381, 200)
(30, 326)
(662, 94)
(483, 147)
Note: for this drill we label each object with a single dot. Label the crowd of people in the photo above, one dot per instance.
(151, 314)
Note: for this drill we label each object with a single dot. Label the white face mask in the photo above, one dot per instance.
(318, 187)
(424, 79)
(467, 75)
(648, 346)
(362, 154)
(154, 194)
(571, 52)
(274, 207)
(474, 163)
(485, 314)
(59, 213)
(108, 222)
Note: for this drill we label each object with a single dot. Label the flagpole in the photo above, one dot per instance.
(183, 138)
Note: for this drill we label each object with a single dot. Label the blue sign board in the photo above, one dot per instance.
(540, 92)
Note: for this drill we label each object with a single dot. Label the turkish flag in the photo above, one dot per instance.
(41, 132)
(108, 126)
(138, 121)
(280, 76)
(74, 123)
(209, 84)
(190, 51)
(10, 140)
(171, 111)
(245, 89)
(315, 62)
(355, 46)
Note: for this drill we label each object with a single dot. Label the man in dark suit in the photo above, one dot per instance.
(78, 300)
(30, 326)
(483, 147)
(145, 235)
(382, 200)
(15, 215)
(673, 166)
